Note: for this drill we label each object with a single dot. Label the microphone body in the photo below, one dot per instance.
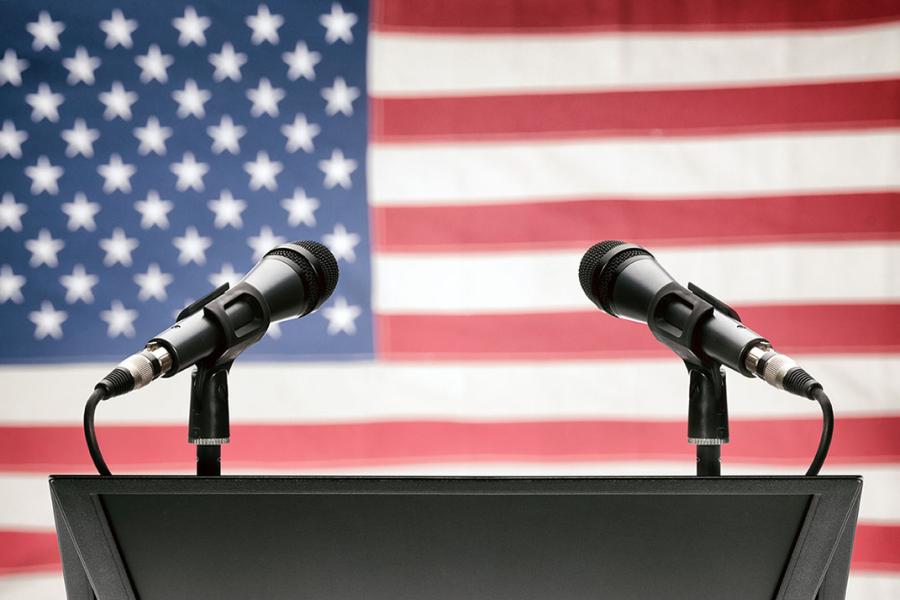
(290, 281)
(625, 281)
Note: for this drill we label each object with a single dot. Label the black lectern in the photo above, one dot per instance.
(353, 538)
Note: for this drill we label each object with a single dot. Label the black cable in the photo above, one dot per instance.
(827, 430)
(89, 434)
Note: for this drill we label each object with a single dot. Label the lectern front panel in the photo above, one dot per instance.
(497, 546)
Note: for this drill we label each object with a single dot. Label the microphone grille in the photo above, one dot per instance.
(326, 261)
(589, 263)
(327, 273)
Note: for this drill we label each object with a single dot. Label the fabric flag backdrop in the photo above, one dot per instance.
(458, 157)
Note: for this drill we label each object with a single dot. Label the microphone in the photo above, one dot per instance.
(291, 280)
(625, 281)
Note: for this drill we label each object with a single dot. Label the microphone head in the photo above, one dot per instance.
(600, 266)
(316, 266)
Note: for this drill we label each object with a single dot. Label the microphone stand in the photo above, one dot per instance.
(707, 396)
(208, 424)
(707, 416)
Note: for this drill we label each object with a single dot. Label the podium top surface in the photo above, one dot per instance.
(447, 538)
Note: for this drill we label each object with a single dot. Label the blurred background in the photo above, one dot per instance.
(458, 157)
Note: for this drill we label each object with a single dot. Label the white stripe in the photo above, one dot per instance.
(482, 172)
(862, 586)
(539, 281)
(873, 586)
(32, 587)
(429, 65)
(27, 497)
(490, 391)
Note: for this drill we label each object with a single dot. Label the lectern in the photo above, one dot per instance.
(403, 538)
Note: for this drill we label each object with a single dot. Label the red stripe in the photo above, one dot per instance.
(638, 113)
(580, 223)
(147, 448)
(876, 548)
(796, 329)
(524, 16)
(25, 551)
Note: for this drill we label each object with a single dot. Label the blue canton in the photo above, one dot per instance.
(150, 151)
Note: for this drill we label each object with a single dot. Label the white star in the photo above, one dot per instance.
(339, 98)
(11, 68)
(81, 213)
(11, 286)
(341, 243)
(301, 209)
(118, 248)
(153, 283)
(228, 210)
(154, 211)
(192, 247)
(154, 64)
(300, 134)
(191, 27)
(11, 213)
(338, 24)
(264, 25)
(44, 176)
(47, 321)
(265, 99)
(120, 320)
(44, 249)
(226, 275)
(80, 139)
(118, 30)
(301, 62)
(226, 136)
(118, 102)
(44, 104)
(11, 140)
(152, 137)
(191, 100)
(45, 31)
(189, 172)
(263, 172)
(337, 170)
(116, 175)
(81, 67)
(265, 241)
(79, 285)
(228, 63)
(341, 317)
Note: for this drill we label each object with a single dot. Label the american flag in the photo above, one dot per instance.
(458, 157)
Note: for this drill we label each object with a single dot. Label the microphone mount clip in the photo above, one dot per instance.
(675, 314)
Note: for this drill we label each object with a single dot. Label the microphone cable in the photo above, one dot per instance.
(821, 397)
(99, 394)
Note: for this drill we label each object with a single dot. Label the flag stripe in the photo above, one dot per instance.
(580, 223)
(831, 106)
(445, 65)
(516, 16)
(796, 329)
(862, 385)
(546, 281)
(142, 448)
(479, 173)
